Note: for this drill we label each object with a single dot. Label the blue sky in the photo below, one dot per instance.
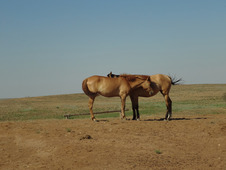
(48, 47)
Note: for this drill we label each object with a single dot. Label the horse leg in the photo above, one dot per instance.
(133, 107)
(123, 101)
(91, 101)
(137, 109)
(168, 106)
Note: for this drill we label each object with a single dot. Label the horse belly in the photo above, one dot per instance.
(108, 90)
(143, 93)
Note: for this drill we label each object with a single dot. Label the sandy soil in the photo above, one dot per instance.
(194, 142)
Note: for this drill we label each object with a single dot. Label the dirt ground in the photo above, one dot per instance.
(193, 142)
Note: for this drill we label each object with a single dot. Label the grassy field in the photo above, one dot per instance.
(187, 100)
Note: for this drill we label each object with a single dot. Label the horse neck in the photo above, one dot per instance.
(136, 84)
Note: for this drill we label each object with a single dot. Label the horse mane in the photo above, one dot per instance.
(131, 77)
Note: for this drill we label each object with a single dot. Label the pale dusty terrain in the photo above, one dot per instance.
(191, 142)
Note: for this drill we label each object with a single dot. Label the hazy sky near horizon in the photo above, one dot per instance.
(48, 47)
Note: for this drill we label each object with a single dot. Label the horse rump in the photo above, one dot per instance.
(86, 89)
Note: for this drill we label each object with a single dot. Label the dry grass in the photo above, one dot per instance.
(187, 99)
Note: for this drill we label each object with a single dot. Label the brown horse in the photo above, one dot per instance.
(111, 87)
(159, 82)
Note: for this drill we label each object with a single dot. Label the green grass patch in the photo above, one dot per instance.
(158, 152)
(187, 99)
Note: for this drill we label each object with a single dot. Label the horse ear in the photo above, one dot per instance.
(111, 72)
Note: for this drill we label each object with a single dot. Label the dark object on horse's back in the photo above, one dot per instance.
(112, 75)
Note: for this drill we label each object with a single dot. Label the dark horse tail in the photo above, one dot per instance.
(175, 81)
(86, 89)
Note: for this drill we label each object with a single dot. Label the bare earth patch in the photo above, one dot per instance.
(194, 142)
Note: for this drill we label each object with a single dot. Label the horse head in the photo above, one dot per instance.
(146, 85)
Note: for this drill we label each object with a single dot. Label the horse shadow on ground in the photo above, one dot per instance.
(173, 119)
(101, 120)
(161, 119)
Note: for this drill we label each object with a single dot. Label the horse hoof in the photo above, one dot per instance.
(138, 119)
(94, 120)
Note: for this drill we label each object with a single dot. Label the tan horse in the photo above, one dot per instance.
(159, 82)
(108, 87)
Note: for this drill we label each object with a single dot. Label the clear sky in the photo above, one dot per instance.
(48, 47)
